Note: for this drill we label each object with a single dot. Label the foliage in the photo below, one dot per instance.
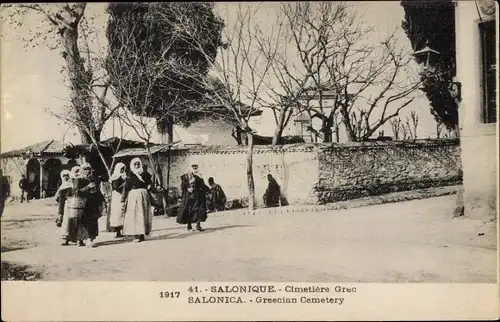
(435, 23)
(148, 46)
(237, 76)
(66, 27)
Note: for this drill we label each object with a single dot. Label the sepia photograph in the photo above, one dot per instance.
(310, 144)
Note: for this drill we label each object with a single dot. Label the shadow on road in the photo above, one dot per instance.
(18, 220)
(170, 236)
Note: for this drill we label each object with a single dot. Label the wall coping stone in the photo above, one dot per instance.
(310, 147)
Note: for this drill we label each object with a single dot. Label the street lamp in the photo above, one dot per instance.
(430, 55)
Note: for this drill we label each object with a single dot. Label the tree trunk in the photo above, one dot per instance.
(326, 129)
(277, 136)
(278, 133)
(80, 80)
(236, 134)
(168, 170)
(166, 130)
(251, 184)
(351, 136)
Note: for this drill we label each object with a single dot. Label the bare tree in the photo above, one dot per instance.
(366, 79)
(287, 81)
(414, 124)
(65, 25)
(396, 127)
(136, 79)
(237, 77)
(405, 131)
(103, 105)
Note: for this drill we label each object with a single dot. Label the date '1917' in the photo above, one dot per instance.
(170, 295)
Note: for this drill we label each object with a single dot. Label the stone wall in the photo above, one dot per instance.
(357, 170)
(294, 167)
(321, 173)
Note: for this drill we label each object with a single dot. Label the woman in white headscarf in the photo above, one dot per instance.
(138, 217)
(117, 181)
(70, 207)
(60, 197)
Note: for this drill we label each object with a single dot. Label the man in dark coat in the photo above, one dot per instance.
(24, 185)
(272, 196)
(194, 201)
(217, 198)
(4, 191)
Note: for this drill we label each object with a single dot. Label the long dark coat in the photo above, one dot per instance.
(194, 204)
(93, 207)
(273, 194)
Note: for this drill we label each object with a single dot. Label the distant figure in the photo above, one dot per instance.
(24, 185)
(273, 192)
(35, 187)
(217, 198)
(4, 191)
(194, 199)
(117, 183)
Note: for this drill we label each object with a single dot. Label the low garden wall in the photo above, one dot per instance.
(323, 173)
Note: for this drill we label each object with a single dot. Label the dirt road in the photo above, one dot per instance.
(414, 241)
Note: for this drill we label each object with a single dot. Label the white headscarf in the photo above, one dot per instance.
(85, 166)
(64, 183)
(73, 174)
(117, 172)
(137, 171)
(197, 171)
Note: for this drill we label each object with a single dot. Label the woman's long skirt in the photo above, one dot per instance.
(116, 216)
(138, 216)
(88, 226)
(70, 225)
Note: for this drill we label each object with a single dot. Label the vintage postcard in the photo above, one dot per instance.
(260, 161)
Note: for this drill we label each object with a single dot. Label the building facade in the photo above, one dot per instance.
(476, 48)
(41, 163)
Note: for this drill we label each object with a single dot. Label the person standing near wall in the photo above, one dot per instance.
(86, 187)
(24, 185)
(4, 191)
(66, 217)
(137, 212)
(217, 198)
(272, 196)
(117, 181)
(194, 200)
(71, 207)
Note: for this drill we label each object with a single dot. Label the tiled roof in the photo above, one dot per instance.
(136, 152)
(44, 147)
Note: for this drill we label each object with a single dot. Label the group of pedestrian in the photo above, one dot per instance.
(82, 203)
(80, 206)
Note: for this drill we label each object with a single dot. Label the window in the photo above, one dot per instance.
(488, 77)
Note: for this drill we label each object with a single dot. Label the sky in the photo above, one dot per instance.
(31, 82)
